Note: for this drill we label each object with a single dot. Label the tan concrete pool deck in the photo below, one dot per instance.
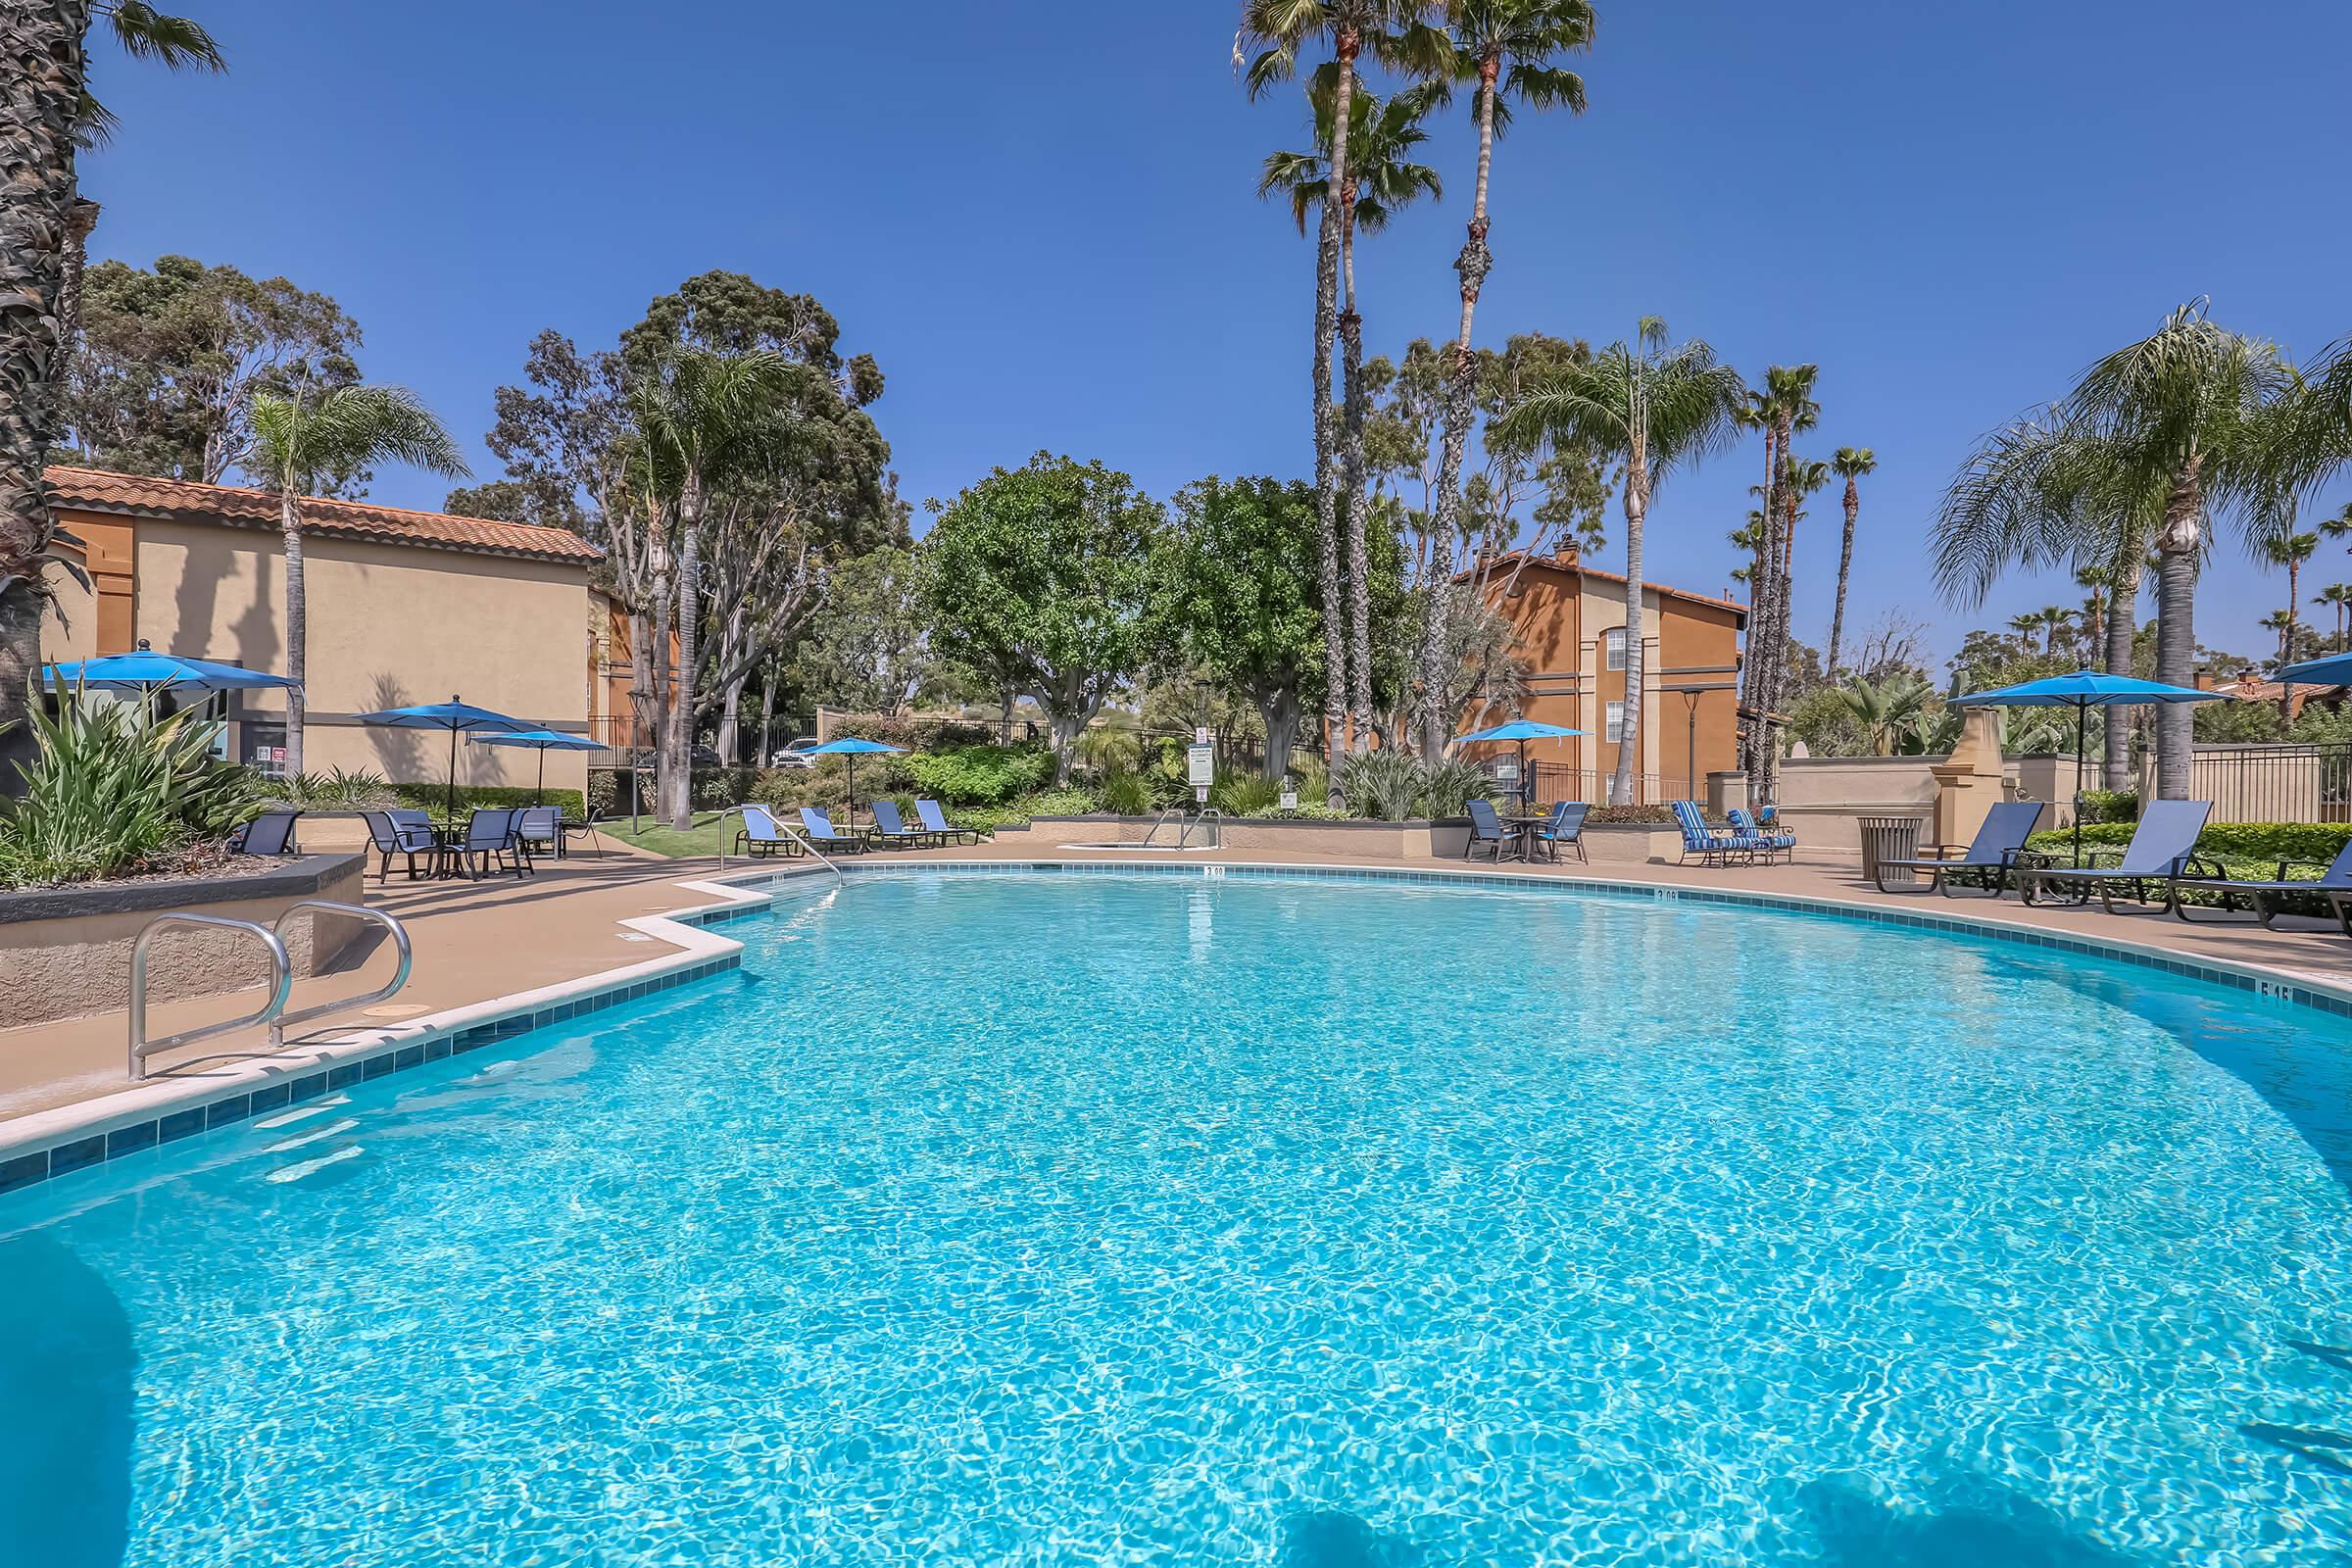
(475, 942)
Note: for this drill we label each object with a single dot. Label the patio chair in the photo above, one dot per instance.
(891, 832)
(489, 844)
(536, 825)
(271, 833)
(936, 821)
(389, 838)
(1565, 825)
(819, 828)
(1991, 856)
(2263, 899)
(1485, 829)
(2163, 849)
(1712, 845)
(761, 835)
(1761, 841)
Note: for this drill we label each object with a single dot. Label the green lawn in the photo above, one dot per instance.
(701, 839)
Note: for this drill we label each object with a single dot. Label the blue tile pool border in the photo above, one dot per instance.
(78, 1149)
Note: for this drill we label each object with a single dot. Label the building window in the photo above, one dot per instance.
(264, 747)
(1614, 729)
(1612, 648)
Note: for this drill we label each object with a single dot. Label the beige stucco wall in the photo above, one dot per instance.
(389, 625)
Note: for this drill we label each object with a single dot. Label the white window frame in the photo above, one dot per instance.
(1612, 728)
(1612, 648)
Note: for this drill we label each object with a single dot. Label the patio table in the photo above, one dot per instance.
(1523, 827)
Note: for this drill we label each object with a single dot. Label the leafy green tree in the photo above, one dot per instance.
(299, 438)
(867, 648)
(1658, 408)
(1849, 463)
(1042, 575)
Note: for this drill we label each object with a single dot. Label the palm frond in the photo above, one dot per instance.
(146, 33)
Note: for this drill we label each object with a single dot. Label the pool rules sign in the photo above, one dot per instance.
(1201, 766)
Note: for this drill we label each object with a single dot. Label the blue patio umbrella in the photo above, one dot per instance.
(1521, 730)
(2333, 671)
(542, 741)
(147, 671)
(851, 747)
(2083, 691)
(453, 715)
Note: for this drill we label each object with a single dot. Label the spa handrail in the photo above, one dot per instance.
(400, 975)
(281, 986)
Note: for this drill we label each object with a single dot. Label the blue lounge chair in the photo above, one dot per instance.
(271, 833)
(536, 825)
(2263, 899)
(761, 835)
(2163, 849)
(819, 828)
(1565, 825)
(1485, 829)
(489, 844)
(935, 820)
(1712, 845)
(1991, 856)
(390, 837)
(891, 832)
(1761, 841)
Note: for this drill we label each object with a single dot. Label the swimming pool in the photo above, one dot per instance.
(1018, 1219)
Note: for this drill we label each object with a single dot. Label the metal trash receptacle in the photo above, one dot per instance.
(1890, 838)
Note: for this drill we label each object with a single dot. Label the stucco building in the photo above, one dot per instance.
(1570, 621)
(404, 607)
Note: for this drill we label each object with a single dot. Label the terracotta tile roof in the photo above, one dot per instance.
(1571, 563)
(183, 501)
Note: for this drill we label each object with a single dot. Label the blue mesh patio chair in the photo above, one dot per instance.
(2264, 899)
(936, 821)
(819, 828)
(2162, 851)
(1990, 857)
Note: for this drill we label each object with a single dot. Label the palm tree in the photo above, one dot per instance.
(1849, 463)
(2290, 549)
(2093, 580)
(1655, 408)
(702, 416)
(315, 436)
(1381, 179)
(1786, 406)
(2054, 620)
(45, 118)
(2338, 594)
(1510, 49)
(2182, 422)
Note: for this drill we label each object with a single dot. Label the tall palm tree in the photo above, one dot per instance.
(1381, 179)
(2339, 595)
(315, 436)
(2093, 581)
(2183, 423)
(1849, 463)
(2289, 549)
(2054, 620)
(1655, 408)
(1266, 48)
(46, 115)
(1786, 405)
(702, 415)
(1510, 48)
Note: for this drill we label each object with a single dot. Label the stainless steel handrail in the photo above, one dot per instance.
(1160, 821)
(400, 975)
(1202, 820)
(282, 985)
(794, 833)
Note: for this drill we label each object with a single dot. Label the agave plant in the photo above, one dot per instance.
(1447, 788)
(112, 786)
(1384, 786)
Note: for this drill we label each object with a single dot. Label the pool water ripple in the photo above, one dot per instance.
(1100, 1220)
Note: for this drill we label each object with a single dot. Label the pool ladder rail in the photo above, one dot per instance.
(272, 1012)
(1210, 822)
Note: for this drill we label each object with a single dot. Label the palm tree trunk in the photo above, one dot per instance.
(1636, 508)
(298, 624)
(1845, 568)
(680, 804)
(2286, 643)
(1327, 467)
(1360, 582)
(1752, 671)
(2122, 615)
(2176, 628)
(40, 99)
(1471, 266)
(1765, 777)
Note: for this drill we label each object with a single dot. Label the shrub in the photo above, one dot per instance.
(1384, 786)
(915, 734)
(1449, 788)
(430, 797)
(1126, 794)
(2110, 805)
(1071, 801)
(979, 775)
(113, 789)
(1631, 813)
(2255, 843)
(1246, 794)
(338, 791)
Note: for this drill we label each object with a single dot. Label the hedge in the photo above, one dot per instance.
(2228, 841)
(432, 796)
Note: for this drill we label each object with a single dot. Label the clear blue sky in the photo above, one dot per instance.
(1040, 218)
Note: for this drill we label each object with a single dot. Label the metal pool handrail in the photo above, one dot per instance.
(794, 833)
(1160, 821)
(400, 975)
(1216, 829)
(281, 986)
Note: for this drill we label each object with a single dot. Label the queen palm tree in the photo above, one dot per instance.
(1655, 408)
(2339, 595)
(1510, 48)
(46, 115)
(2093, 581)
(315, 436)
(1849, 463)
(2054, 621)
(1381, 179)
(1786, 406)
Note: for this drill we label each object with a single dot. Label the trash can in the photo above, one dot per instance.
(1890, 838)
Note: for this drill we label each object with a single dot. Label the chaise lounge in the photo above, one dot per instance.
(1712, 845)
(819, 828)
(2263, 899)
(2163, 849)
(1990, 856)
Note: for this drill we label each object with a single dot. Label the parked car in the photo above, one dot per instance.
(795, 755)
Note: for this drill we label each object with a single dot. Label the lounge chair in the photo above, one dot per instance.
(1766, 841)
(271, 833)
(819, 828)
(1990, 856)
(2263, 899)
(535, 826)
(1712, 845)
(389, 838)
(1485, 829)
(489, 844)
(2163, 849)
(891, 832)
(936, 821)
(761, 835)
(1565, 825)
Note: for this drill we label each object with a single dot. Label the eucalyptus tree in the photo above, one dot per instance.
(1511, 49)
(1849, 463)
(1656, 408)
(1381, 179)
(310, 434)
(46, 116)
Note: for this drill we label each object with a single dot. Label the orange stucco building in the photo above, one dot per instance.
(1570, 620)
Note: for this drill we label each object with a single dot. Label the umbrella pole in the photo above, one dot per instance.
(449, 798)
(539, 785)
(2081, 751)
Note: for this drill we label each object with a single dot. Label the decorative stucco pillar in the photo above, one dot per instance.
(1970, 781)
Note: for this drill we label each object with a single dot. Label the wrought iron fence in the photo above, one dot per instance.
(1554, 782)
(2271, 783)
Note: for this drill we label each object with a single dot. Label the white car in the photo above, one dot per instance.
(795, 755)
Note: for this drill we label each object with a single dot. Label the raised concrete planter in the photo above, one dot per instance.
(65, 952)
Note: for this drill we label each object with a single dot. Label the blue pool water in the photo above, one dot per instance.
(1034, 1219)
